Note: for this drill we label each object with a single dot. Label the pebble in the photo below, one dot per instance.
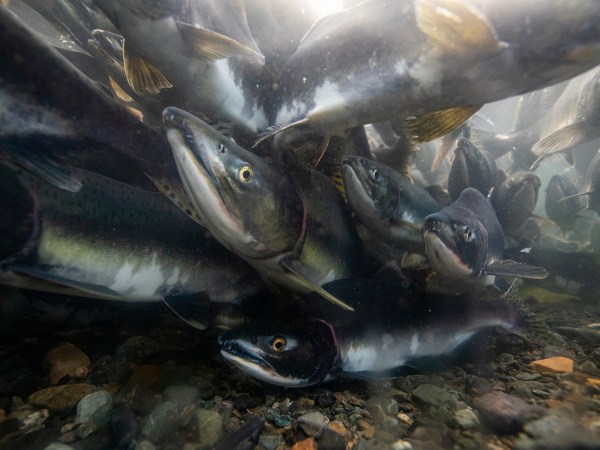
(206, 390)
(305, 444)
(402, 445)
(66, 360)
(593, 381)
(477, 386)
(124, 426)
(430, 394)
(94, 408)
(557, 432)
(58, 446)
(185, 398)
(145, 445)
(162, 421)
(324, 398)
(313, 424)
(558, 364)
(209, 426)
(270, 441)
(381, 407)
(61, 399)
(504, 413)
(330, 440)
(465, 418)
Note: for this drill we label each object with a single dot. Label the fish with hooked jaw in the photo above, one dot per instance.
(465, 242)
(391, 329)
(292, 227)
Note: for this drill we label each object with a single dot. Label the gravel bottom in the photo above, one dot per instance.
(134, 377)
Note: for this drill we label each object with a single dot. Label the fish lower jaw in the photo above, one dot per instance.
(443, 260)
(263, 372)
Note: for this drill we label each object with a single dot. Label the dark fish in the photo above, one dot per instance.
(49, 111)
(382, 60)
(387, 203)
(113, 241)
(391, 329)
(559, 208)
(199, 55)
(293, 228)
(465, 242)
(471, 168)
(564, 122)
(514, 201)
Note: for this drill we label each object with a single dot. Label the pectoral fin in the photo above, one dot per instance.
(143, 77)
(433, 125)
(31, 157)
(559, 141)
(272, 131)
(214, 46)
(78, 288)
(298, 278)
(457, 28)
(510, 268)
(192, 308)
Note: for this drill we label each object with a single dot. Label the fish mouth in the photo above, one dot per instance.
(442, 253)
(357, 188)
(243, 355)
(199, 166)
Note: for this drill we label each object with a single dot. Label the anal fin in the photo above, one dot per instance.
(119, 91)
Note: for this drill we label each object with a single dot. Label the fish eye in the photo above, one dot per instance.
(375, 174)
(221, 147)
(278, 344)
(246, 174)
(468, 234)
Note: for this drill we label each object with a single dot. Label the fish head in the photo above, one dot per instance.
(470, 168)
(370, 191)
(557, 207)
(456, 242)
(243, 200)
(287, 354)
(522, 188)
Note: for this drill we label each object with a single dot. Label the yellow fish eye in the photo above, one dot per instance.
(278, 344)
(246, 174)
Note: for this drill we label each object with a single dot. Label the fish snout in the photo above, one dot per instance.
(432, 224)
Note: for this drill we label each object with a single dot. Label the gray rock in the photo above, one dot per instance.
(465, 419)
(330, 440)
(124, 426)
(145, 445)
(505, 413)
(185, 398)
(58, 446)
(94, 408)
(86, 430)
(477, 386)
(557, 432)
(381, 407)
(313, 423)
(206, 390)
(209, 424)
(269, 441)
(430, 394)
(163, 420)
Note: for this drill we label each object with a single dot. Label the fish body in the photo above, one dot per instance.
(50, 112)
(567, 115)
(221, 86)
(471, 168)
(561, 210)
(292, 227)
(110, 240)
(387, 203)
(382, 60)
(378, 340)
(465, 242)
(514, 201)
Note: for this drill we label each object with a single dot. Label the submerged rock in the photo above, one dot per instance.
(95, 408)
(61, 399)
(505, 413)
(66, 360)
